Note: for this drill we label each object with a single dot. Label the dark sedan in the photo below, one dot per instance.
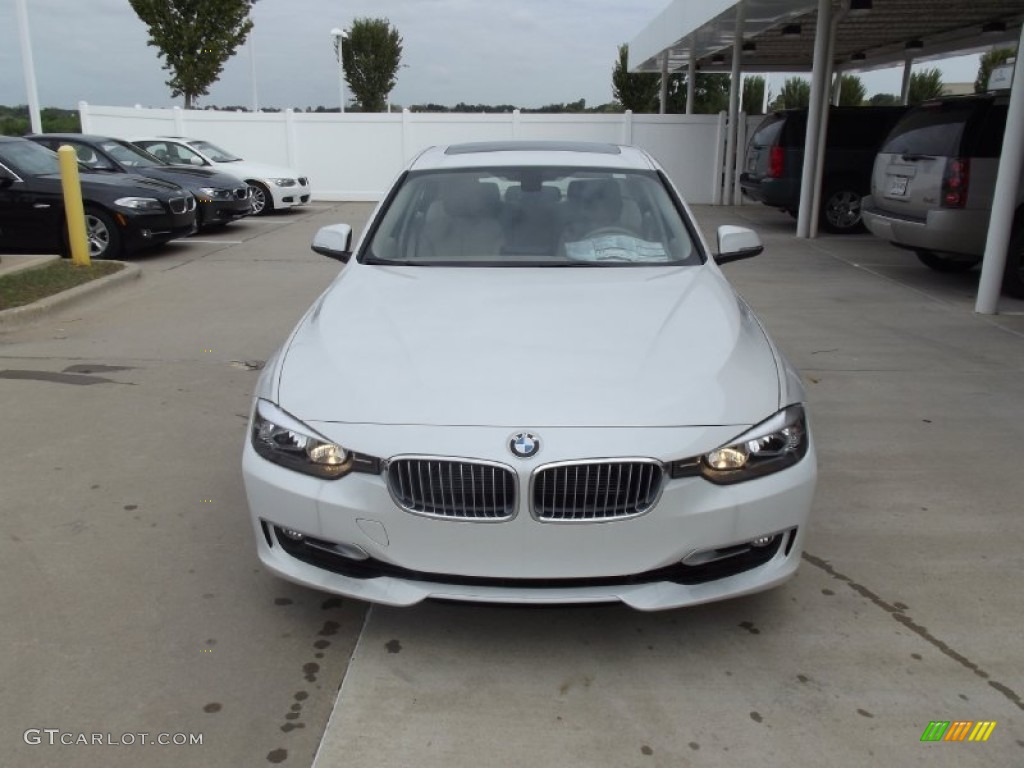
(124, 213)
(222, 197)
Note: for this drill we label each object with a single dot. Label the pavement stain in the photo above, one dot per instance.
(694, 746)
(756, 717)
(393, 646)
(283, 601)
(310, 669)
(321, 644)
(58, 378)
(213, 706)
(749, 626)
(277, 756)
(864, 713)
(645, 750)
(329, 628)
(331, 602)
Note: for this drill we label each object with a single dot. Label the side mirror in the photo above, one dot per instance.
(194, 160)
(735, 243)
(334, 242)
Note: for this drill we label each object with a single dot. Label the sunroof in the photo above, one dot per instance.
(532, 146)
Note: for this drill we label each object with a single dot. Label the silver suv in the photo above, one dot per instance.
(933, 182)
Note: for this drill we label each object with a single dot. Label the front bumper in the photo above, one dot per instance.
(142, 231)
(944, 230)
(289, 197)
(635, 561)
(212, 212)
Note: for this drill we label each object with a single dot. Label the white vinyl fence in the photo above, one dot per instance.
(356, 156)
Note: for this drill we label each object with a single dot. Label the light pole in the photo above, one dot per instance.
(28, 67)
(339, 36)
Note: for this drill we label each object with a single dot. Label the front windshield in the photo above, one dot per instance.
(214, 152)
(26, 158)
(532, 216)
(130, 156)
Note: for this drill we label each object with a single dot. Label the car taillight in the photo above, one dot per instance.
(954, 182)
(776, 162)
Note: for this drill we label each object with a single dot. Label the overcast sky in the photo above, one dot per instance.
(528, 53)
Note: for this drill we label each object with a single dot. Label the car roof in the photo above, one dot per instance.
(79, 136)
(519, 153)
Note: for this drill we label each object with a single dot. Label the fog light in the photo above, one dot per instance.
(762, 541)
(293, 535)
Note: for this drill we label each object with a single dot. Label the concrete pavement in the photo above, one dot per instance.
(130, 595)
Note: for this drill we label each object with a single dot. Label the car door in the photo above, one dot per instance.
(31, 213)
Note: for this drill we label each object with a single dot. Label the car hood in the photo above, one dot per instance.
(193, 177)
(527, 347)
(245, 169)
(130, 183)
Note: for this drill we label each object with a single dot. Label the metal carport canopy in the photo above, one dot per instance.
(839, 38)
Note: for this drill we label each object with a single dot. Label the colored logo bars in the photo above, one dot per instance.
(958, 730)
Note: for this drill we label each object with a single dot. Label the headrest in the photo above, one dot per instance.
(465, 196)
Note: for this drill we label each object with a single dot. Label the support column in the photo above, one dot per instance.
(821, 67)
(1000, 224)
(823, 130)
(905, 89)
(663, 96)
(837, 87)
(28, 67)
(734, 105)
(691, 79)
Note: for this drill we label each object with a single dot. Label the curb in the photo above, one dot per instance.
(18, 316)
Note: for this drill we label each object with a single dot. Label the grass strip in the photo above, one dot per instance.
(25, 286)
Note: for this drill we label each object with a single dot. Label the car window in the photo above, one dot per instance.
(129, 156)
(532, 216)
(171, 152)
(932, 129)
(89, 157)
(768, 132)
(26, 158)
(214, 152)
(860, 127)
(988, 141)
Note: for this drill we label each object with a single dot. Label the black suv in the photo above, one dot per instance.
(775, 160)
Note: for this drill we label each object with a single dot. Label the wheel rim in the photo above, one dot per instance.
(259, 201)
(843, 209)
(98, 235)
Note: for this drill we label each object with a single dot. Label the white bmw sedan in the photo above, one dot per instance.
(531, 384)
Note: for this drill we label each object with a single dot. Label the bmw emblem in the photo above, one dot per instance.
(524, 444)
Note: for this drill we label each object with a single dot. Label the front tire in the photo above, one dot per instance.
(102, 235)
(262, 202)
(840, 209)
(947, 263)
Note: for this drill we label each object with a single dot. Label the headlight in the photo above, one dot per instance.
(285, 440)
(214, 192)
(148, 204)
(284, 182)
(774, 444)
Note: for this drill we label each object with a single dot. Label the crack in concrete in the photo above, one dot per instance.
(913, 626)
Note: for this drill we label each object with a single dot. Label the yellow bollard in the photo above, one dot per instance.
(73, 209)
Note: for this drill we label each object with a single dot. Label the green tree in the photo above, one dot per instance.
(924, 85)
(638, 92)
(195, 38)
(851, 91)
(796, 92)
(988, 62)
(753, 95)
(371, 55)
(884, 100)
(710, 93)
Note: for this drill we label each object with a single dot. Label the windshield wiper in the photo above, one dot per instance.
(913, 157)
